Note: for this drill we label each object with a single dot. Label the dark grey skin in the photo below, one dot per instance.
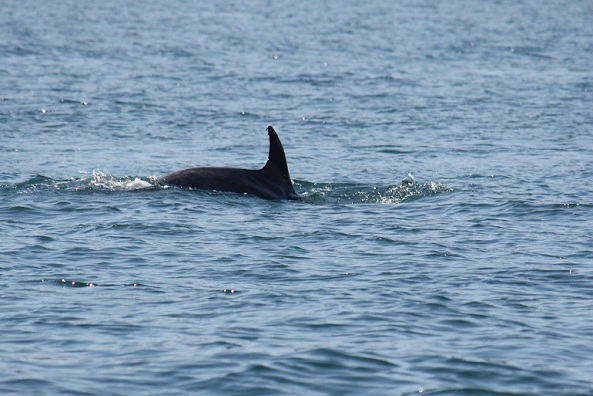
(270, 182)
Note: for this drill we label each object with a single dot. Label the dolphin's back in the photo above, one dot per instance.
(271, 182)
(240, 181)
(222, 179)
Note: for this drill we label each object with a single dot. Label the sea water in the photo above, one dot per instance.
(444, 151)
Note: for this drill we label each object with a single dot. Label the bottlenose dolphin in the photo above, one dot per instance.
(270, 182)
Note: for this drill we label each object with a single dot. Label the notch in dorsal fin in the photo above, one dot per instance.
(276, 168)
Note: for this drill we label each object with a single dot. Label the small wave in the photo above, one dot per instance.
(74, 283)
(363, 193)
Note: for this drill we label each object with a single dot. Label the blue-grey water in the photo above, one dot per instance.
(444, 151)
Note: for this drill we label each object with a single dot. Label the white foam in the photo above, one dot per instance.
(102, 180)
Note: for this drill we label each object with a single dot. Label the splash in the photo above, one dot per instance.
(96, 182)
(353, 193)
(101, 180)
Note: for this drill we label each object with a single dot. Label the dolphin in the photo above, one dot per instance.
(270, 182)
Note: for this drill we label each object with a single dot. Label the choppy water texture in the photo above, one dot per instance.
(444, 150)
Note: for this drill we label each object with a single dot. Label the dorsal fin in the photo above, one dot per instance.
(276, 168)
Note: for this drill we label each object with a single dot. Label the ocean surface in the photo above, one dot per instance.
(444, 151)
